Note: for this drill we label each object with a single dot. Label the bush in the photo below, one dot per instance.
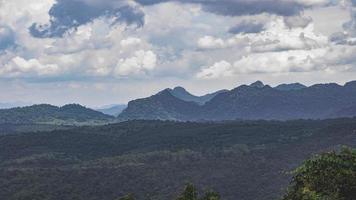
(329, 176)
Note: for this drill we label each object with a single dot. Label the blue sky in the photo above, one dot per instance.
(98, 52)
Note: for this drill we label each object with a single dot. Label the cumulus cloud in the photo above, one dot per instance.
(65, 16)
(217, 70)
(141, 62)
(297, 21)
(93, 50)
(18, 66)
(131, 41)
(277, 36)
(209, 42)
(327, 60)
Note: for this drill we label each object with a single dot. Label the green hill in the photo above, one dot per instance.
(48, 114)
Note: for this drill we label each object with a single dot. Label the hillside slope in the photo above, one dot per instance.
(153, 159)
(48, 114)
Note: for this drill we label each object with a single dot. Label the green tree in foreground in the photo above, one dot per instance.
(190, 193)
(329, 176)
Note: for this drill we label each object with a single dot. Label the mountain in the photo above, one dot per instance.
(252, 102)
(257, 84)
(49, 114)
(162, 106)
(113, 110)
(292, 86)
(183, 94)
(154, 159)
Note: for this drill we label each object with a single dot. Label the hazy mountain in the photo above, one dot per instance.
(113, 110)
(256, 101)
(292, 86)
(183, 94)
(45, 113)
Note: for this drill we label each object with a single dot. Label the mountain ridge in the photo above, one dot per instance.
(257, 101)
(50, 114)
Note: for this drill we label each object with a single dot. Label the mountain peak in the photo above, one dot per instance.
(257, 84)
(289, 87)
(180, 89)
(350, 84)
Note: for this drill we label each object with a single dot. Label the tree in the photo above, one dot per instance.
(329, 176)
(211, 195)
(189, 193)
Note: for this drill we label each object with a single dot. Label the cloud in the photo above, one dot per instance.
(131, 41)
(268, 62)
(7, 37)
(249, 7)
(67, 15)
(247, 27)
(217, 70)
(141, 62)
(277, 36)
(348, 36)
(297, 21)
(209, 42)
(18, 65)
(93, 50)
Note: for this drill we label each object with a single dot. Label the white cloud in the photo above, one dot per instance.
(217, 70)
(131, 41)
(209, 42)
(140, 63)
(277, 37)
(19, 65)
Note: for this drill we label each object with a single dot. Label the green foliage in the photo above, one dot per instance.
(329, 176)
(71, 114)
(153, 159)
(191, 193)
(211, 195)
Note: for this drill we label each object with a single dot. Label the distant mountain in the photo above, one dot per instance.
(255, 101)
(257, 84)
(288, 87)
(113, 110)
(162, 106)
(49, 114)
(184, 95)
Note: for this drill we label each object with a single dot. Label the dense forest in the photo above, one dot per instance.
(331, 175)
(245, 160)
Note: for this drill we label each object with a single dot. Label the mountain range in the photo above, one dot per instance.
(113, 110)
(49, 114)
(248, 102)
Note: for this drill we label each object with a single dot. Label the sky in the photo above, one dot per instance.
(101, 52)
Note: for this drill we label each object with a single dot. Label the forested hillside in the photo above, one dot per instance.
(155, 159)
(49, 114)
